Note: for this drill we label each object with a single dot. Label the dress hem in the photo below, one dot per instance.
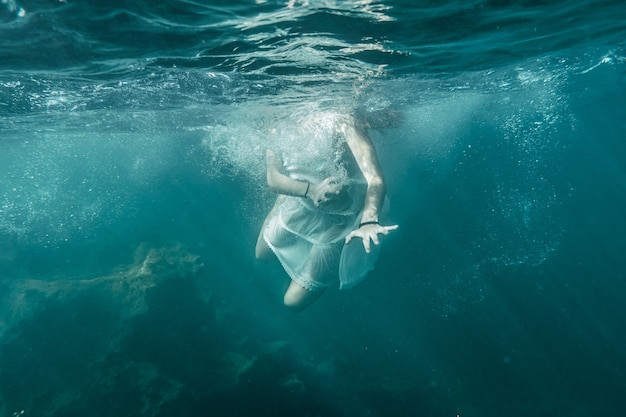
(304, 283)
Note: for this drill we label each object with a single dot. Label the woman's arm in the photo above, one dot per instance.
(365, 154)
(282, 184)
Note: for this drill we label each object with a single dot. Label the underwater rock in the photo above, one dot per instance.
(293, 383)
(63, 340)
(272, 348)
(124, 289)
(151, 339)
(238, 365)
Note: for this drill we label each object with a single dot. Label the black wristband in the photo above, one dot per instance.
(308, 184)
(366, 223)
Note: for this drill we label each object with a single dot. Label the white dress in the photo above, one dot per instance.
(308, 240)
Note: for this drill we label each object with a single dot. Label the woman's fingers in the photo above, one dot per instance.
(370, 235)
(366, 243)
(331, 185)
(350, 236)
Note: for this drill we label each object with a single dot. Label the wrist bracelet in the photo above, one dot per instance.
(366, 223)
(308, 184)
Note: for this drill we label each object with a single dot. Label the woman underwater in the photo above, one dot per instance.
(331, 190)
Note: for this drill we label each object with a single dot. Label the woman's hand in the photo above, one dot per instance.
(370, 232)
(324, 191)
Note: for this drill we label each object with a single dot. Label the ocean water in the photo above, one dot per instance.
(132, 189)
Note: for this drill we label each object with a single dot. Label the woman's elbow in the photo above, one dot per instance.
(377, 183)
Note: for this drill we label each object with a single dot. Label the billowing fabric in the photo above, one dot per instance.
(355, 263)
(307, 239)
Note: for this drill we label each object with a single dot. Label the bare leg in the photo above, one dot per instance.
(262, 251)
(298, 298)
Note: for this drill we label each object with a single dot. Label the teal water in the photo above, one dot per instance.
(132, 188)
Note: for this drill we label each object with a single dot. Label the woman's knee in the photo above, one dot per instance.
(298, 298)
(294, 302)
